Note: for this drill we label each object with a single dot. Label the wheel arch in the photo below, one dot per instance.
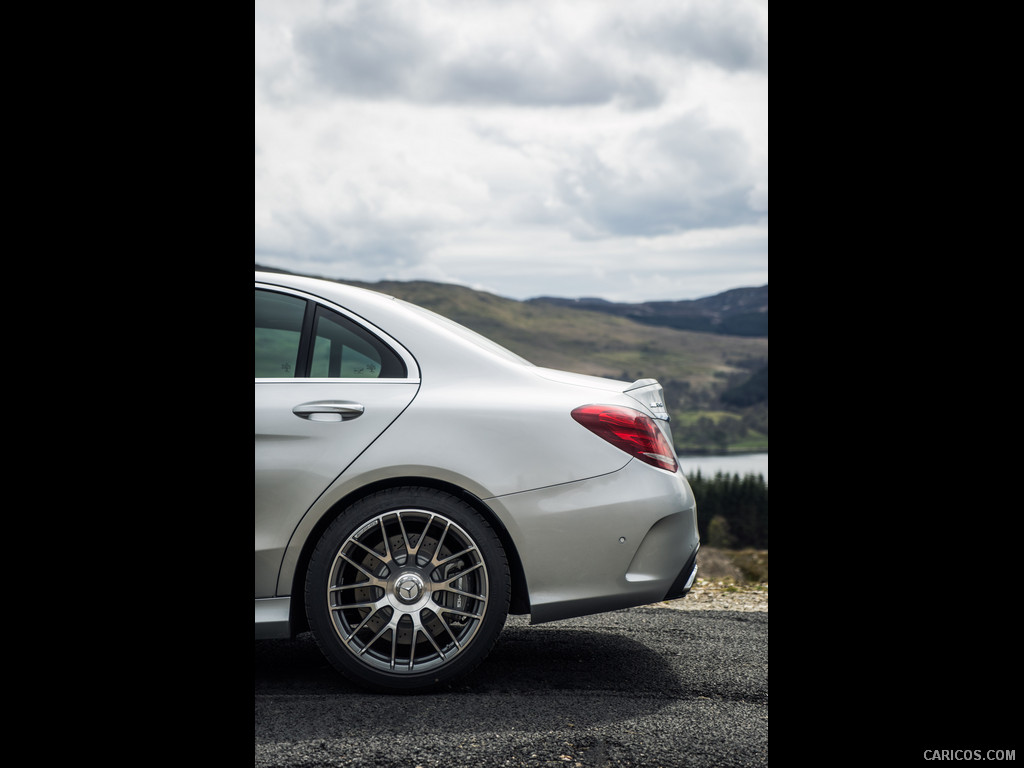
(520, 598)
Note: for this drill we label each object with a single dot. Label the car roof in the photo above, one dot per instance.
(349, 295)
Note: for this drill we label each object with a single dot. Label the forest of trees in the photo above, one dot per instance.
(732, 511)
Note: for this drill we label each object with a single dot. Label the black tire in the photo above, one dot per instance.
(407, 589)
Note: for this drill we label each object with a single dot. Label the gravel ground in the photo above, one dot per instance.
(645, 687)
(709, 595)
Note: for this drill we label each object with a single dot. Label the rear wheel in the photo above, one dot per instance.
(408, 589)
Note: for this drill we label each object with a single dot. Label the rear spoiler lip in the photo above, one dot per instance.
(640, 384)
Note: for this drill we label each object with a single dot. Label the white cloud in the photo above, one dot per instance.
(525, 147)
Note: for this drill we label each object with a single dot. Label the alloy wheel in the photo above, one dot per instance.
(407, 591)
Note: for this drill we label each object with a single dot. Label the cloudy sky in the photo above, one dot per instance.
(612, 148)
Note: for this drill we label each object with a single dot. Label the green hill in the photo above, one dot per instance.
(715, 385)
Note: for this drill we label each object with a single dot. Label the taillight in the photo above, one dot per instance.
(629, 430)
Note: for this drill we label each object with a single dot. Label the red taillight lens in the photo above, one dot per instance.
(629, 430)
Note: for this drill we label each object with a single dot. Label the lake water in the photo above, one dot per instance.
(739, 464)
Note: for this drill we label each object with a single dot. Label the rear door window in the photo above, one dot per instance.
(296, 338)
(279, 320)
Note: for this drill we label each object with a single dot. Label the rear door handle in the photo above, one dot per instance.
(329, 410)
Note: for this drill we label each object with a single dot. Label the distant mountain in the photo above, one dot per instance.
(738, 312)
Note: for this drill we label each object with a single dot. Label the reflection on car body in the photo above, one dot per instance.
(416, 482)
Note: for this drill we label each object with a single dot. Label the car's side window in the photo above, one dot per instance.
(278, 334)
(333, 347)
(342, 349)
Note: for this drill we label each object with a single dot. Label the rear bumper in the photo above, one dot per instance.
(684, 581)
(616, 541)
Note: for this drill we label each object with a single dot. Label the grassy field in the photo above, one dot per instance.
(752, 442)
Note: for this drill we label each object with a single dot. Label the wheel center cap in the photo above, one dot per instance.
(409, 587)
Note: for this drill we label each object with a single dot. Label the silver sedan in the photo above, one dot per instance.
(416, 483)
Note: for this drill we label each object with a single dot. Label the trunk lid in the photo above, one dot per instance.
(651, 394)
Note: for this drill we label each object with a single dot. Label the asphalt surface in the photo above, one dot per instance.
(642, 687)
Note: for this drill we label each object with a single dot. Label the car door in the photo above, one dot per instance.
(326, 387)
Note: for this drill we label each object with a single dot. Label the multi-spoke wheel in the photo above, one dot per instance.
(407, 589)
